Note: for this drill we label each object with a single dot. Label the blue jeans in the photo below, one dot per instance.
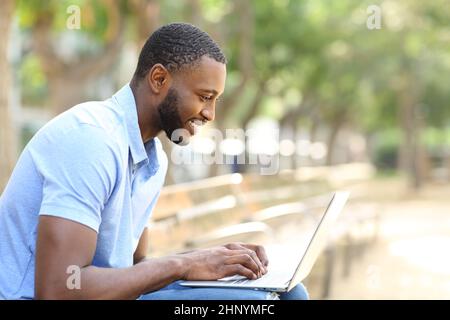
(175, 291)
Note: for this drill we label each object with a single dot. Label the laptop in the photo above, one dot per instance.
(288, 264)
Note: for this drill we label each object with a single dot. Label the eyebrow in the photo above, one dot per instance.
(211, 91)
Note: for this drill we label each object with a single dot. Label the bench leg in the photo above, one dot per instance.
(348, 256)
(330, 256)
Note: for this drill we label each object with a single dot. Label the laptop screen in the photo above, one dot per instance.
(320, 237)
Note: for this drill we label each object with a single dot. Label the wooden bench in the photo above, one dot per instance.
(253, 208)
(188, 210)
(182, 211)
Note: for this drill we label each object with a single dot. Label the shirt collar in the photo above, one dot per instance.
(125, 99)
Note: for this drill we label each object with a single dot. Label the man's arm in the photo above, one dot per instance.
(142, 248)
(62, 243)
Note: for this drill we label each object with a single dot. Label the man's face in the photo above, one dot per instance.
(191, 100)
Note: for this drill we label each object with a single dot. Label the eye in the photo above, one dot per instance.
(205, 98)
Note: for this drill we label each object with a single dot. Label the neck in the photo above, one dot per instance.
(147, 112)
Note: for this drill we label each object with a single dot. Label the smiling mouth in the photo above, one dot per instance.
(195, 125)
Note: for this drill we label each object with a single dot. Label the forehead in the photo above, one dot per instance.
(207, 74)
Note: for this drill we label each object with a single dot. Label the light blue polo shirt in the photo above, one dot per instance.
(88, 165)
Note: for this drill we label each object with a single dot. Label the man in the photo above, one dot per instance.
(79, 199)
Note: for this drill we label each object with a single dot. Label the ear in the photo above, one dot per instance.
(158, 78)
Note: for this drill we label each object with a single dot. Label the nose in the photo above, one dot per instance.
(209, 113)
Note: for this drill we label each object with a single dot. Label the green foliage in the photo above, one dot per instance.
(93, 15)
(319, 49)
(32, 80)
(385, 153)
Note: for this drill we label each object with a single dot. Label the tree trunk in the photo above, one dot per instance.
(67, 81)
(337, 122)
(294, 157)
(314, 128)
(8, 135)
(64, 92)
(332, 141)
(244, 11)
(410, 153)
(146, 13)
(255, 104)
(194, 13)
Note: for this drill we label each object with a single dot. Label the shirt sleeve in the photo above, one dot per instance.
(79, 171)
(150, 209)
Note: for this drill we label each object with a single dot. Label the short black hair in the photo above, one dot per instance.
(176, 45)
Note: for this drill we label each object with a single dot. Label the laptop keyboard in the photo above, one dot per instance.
(268, 278)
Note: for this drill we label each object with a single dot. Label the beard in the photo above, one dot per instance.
(170, 120)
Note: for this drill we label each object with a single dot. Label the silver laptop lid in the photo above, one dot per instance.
(319, 238)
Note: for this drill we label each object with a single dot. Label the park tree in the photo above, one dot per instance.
(403, 60)
(100, 25)
(8, 136)
(311, 65)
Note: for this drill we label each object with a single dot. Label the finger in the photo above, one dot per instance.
(246, 261)
(234, 269)
(260, 252)
(233, 245)
(254, 256)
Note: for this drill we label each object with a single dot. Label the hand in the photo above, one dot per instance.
(258, 253)
(235, 258)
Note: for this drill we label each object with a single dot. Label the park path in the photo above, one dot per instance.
(411, 259)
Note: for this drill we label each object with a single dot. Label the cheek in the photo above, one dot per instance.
(189, 109)
(189, 104)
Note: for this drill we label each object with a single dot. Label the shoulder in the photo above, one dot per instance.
(92, 126)
(102, 114)
(78, 145)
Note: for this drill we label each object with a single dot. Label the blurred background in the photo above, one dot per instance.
(356, 92)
